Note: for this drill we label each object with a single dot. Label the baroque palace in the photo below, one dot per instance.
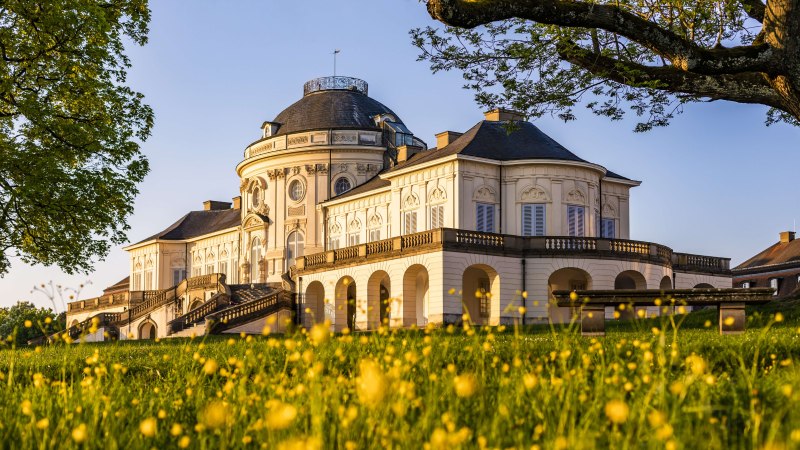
(344, 215)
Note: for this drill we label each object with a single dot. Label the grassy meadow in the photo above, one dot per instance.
(657, 383)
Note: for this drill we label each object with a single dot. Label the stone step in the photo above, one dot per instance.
(197, 331)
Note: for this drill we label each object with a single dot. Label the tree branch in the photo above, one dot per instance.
(754, 8)
(682, 53)
(742, 88)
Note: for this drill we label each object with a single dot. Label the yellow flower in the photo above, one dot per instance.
(148, 427)
(319, 333)
(573, 296)
(617, 411)
(28, 324)
(43, 423)
(176, 429)
(27, 408)
(184, 442)
(79, 434)
(210, 367)
(465, 385)
(281, 415)
(529, 380)
(215, 414)
(521, 310)
(371, 384)
(696, 364)
(778, 317)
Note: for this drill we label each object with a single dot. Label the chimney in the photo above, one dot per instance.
(787, 236)
(237, 202)
(404, 152)
(502, 115)
(212, 205)
(444, 138)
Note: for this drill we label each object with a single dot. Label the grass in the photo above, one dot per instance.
(653, 383)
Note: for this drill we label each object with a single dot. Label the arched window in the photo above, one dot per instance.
(294, 246)
(341, 186)
(255, 196)
(255, 258)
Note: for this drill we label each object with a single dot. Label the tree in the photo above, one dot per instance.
(69, 129)
(546, 56)
(24, 321)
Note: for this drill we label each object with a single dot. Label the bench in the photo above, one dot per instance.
(730, 303)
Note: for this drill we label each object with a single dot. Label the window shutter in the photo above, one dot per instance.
(571, 220)
(527, 220)
(538, 220)
(579, 225)
(480, 213)
(489, 218)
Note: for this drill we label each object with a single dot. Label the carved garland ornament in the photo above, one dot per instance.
(355, 225)
(335, 228)
(533, 194)
(576, 196)
(375, 221)
(484, 194)
(411, 201)
(438, 195)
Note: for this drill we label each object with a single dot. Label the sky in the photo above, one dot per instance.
(717, 181)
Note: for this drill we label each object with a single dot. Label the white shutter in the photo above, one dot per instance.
(538, 220)
(437, 217)
(411, 222)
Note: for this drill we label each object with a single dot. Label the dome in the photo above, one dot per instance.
(332, 102)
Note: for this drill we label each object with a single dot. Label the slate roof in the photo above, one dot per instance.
(198, 223)
(340, 109)
(121, 285)
(778, 253)
(491, 140)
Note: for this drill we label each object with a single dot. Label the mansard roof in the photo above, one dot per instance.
(198, 223)
(337, 109)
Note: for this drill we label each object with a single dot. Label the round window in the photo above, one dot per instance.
(341, 186)
(255, 196)
(297, 190)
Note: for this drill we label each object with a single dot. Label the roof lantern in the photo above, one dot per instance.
(335, 84)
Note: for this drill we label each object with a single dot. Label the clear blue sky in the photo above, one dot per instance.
(716, 182)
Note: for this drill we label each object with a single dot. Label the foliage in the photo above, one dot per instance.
(649, 384)
(24, 321)
(649, 57)
(69, 129)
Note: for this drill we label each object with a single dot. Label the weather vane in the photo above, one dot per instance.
(335, 52)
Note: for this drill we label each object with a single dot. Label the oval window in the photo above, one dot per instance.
(341, 186)
(297, 190)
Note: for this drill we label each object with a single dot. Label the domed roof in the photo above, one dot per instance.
(332, 102)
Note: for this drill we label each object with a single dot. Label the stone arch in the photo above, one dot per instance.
(703, 286)
(416, 295)
(378, 308)
(345, 304)
(315, 303)
(630, 279)
(566, 278)
(666, 283)
(148, 329)
(480, 290)
(74, 323)
(195, 303)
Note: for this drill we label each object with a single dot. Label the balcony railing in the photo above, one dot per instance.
(508, 245)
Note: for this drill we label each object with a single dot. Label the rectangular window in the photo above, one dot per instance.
(746, 285)
(484, 217)
(410, 222)
(608, 229)
(575, 219)
(353, 239)
(436, 217)
(223, 268)
(137, 282)
(333, 243)
(485, 299)
(148, 280)
(209, 269)
(375, 234)
(197, 271)
(774, 284)
(177, 276)
(533, 219)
